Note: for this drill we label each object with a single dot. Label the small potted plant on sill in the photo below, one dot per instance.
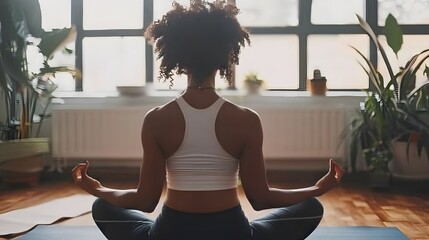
(318, 84)
(253, 84)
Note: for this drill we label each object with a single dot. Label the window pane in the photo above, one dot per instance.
(405, 11)
(113, 61)
(274, 58)
(162, 7)
(55, 13)
(412, 45)
(112, 14)
(268, 13)
(336, 11)
(337, 61)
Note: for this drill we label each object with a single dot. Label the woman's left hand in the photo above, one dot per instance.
(332, 178)
(81, 178)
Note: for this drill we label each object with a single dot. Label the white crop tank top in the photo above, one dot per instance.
(200, 163)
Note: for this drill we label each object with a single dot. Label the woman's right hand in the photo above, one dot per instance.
(81, 178)
(332, 178)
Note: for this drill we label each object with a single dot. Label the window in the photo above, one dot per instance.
(336, 11)
(110, 14)
(405, 11)
(412, 45)
(290, 38)
(52, 17)
(274, 58)
(55, 19)
(113, 61)
(268, 13)
(340, 69)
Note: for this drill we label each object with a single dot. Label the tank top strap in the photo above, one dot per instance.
(186, 106)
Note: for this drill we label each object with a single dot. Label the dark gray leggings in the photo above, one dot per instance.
(294, 222)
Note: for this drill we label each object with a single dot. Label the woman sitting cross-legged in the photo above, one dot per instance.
(201, 144)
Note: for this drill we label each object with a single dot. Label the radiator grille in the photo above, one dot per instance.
(303, 133)
(115, 133)
(97, 133)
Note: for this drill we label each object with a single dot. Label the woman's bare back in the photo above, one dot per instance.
(230, 132)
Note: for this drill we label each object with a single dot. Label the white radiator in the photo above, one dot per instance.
(306, 133)
(114, 133)
(97, 133)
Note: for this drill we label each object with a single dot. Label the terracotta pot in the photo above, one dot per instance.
(318, 87)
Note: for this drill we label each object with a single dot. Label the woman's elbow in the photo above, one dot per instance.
(258, 203)
(148, 207)
(146, 201)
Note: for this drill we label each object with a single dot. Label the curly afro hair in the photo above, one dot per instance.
(198, 41)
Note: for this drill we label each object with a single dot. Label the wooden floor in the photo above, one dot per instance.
(348, 205)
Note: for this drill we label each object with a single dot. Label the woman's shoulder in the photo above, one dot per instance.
(240, 110)
(162, 112)
(240, 113)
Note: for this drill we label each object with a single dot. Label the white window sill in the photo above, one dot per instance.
(267, 99)
(236, 93)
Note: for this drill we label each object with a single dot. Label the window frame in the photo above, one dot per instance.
(303, 30)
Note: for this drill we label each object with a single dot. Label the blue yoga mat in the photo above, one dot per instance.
(56, 232)
(357, 233)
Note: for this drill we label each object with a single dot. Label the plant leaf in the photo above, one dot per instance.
(425, 54)
(426, 72)
(55, 40)
(393, 33)
(13, 69)
(52, 70)
(367, 28)
(417, 88)
(18, 23)
(372, 73)
(33, 16)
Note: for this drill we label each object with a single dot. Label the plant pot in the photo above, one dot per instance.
(318, 87)
(22, 161)
(411, 166)
(25, 170)
(23, 148)
(380, 180)
(253, 88)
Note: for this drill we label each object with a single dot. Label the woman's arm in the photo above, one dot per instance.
(253, 175)
(152, 177)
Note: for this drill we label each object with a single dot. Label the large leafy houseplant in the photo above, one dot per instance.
(21, 28)
(392, 109)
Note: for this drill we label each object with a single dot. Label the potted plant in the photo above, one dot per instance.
(370, 132)
(410, 148)
(378, 158)
(317, 84)
(21, 28)
(253, 84)
(391, 110)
